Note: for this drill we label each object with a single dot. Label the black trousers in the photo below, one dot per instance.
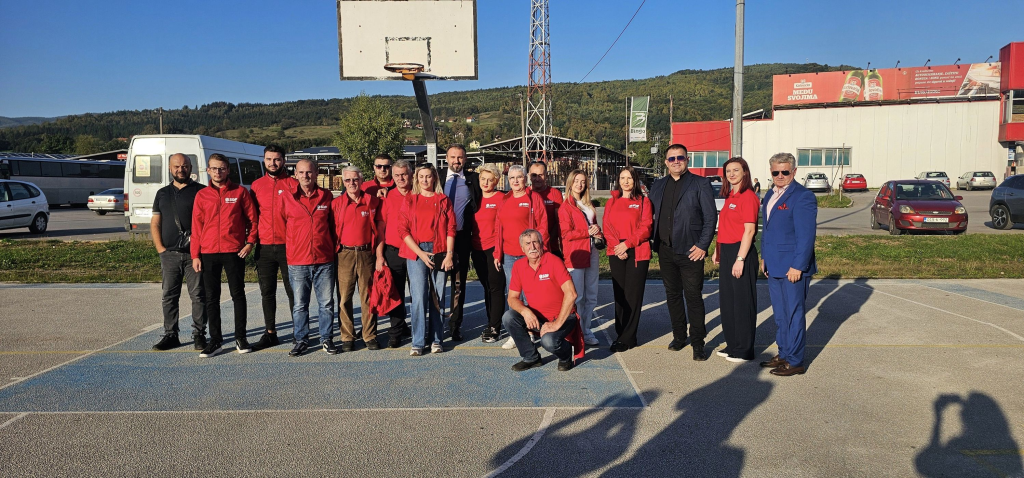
(271, 258)
(629, 278)
(493, 281)
(234, 268)
(399, 277)
(683, 278)
(463, 248)
(739, 301)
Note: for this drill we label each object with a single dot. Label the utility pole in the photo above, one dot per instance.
(737, 85)
(161, 110)
(627, 131)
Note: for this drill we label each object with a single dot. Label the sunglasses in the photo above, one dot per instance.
(382, 166)
(677, 158)
(784, 172)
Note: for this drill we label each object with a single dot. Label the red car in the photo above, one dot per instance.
(855, 182)
(917, 204)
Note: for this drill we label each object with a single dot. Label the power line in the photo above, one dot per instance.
(614, 42)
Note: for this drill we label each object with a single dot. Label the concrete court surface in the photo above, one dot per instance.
(905, 378)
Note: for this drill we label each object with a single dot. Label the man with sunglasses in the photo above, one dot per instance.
(684, 223)
(790, 214)
(382, 181)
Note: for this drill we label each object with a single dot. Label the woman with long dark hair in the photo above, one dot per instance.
(628, 216)
(737, 260)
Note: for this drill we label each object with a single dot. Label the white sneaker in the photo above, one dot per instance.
(511, 344)
(736, 360)
(721, 354)
(591, 340)
(436, 348)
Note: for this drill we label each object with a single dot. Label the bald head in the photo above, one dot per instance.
(180, 167)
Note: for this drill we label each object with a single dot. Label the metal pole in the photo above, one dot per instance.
(522, 124)
(426, 117)
(627, 131)
(161, 120)
(737, 88)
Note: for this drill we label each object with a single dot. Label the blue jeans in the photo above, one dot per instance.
(507, 264)
(305, 279)
(422, 303)
(553, 342)
(585, 282)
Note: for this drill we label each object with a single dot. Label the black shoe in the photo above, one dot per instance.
(199, 342)
(211, 349)
(618, 347)
(489, 336)
(524, 365)
(677, 345)
(329, 347)
(266, 341)
(167, 343)
(348, 346)
(456, 335)
(395, 341)
(564, 365)
(698, 352)
(299, 349)
(372, 345)
(242, 345)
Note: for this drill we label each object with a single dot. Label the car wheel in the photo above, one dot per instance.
(39, 224)
(893, 230)
(874, 223)
(101, 213)
(1001, 217)
(969, 188)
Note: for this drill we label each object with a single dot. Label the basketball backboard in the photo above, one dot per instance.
(438, 34)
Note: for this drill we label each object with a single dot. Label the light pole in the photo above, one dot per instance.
(737, 85)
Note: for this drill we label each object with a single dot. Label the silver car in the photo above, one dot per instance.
(817, 182)
(972, 180)
(107, 201)
(23, 204)
(935, 176)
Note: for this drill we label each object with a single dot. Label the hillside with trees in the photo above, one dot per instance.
(594, 112)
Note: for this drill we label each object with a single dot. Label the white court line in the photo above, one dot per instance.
(8, 422)
(622, 363)
(1018, 337)
(526, 448)
(317, 410)
(969, 297)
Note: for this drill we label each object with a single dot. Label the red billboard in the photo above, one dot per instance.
(890, 84)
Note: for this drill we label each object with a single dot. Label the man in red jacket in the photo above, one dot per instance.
(357, 225)
(269, 192)
(223, 234)
(552, 201)
(382, 181)
(310, 252)
(391, 207)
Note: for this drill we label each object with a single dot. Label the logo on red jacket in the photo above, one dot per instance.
(634, 206)
(322, 207)
(524, 204)
(230, 200)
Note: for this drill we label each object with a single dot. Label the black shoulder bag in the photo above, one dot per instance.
(184, 237)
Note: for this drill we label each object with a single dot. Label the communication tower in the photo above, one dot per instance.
(538, 89)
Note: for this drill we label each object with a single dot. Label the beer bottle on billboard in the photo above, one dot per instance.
(873, 87)
(853, 86)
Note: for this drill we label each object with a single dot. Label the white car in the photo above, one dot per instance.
(107, 201)
(817, 182)
(23, 204)
(935, 176)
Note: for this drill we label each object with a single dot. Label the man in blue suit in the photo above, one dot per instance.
(790, 214)
(684, 223)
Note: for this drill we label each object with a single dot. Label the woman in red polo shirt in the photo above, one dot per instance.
(427, 228)
(483, 237)
(737, 259)
(628, 216)
(577, 220)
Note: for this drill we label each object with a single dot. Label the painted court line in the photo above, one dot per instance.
(1018, 337)
(953, 290)
(622, 363)
(16, 418)
(311, 410)
(548, 415)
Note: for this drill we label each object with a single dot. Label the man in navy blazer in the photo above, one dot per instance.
(790, 214)
(684, 223)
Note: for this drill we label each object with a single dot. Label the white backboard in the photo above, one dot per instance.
(439, 34)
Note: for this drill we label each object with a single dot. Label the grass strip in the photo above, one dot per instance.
(834, 201)
(968, 256)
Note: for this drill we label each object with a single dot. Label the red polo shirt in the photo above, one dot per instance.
(738, 210)
(484, 235)
(543, 287)
(355, 221)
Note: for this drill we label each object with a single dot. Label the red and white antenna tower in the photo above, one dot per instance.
(538, 89)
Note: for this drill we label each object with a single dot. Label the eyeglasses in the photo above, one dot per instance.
(216, 169)
(677, 158)
(382, 166)
(784, 172)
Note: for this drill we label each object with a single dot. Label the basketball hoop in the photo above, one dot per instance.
(408, 70)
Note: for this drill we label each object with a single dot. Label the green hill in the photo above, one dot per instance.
(592, 112)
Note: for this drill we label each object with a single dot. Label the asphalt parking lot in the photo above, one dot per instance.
(905, 378)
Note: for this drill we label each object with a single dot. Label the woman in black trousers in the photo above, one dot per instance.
(737, 259)
(491, 277)
(628, 219)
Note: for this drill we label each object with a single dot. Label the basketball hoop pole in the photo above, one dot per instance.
(429, 133)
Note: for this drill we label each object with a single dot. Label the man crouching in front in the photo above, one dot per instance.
(544, 280)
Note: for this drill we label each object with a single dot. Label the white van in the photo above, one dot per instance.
(146, 168)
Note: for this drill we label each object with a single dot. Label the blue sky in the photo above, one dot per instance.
(65, 57)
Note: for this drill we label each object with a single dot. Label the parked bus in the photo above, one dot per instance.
(147, 168)
(63, 180)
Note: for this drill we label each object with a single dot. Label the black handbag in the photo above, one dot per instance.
(184, 239)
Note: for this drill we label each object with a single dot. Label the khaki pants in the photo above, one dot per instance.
(355, 267)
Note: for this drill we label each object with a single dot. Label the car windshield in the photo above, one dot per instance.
(935, 175)
(922, 192)
(855, 176)
(111, 192)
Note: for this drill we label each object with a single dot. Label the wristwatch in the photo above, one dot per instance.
(739, 259)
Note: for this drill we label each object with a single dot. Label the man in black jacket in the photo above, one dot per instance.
(463, 189)
(684, 224)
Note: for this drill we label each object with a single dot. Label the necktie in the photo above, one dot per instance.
(452, 189)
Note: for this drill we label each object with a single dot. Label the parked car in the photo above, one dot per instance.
(23, 204)
(1007, 203)
(817, 182)
(854, 182)
(107, 201)
(914, 204)
(972, 180)
(715, 179)
(935, 176)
